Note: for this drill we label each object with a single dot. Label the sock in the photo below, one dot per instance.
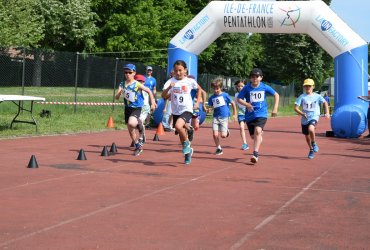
(219, 147)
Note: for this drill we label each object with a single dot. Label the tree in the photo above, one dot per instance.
(20, 23)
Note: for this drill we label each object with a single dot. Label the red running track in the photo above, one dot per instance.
(154, 201)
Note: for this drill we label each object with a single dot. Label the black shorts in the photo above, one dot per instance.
(305, 127)
(258, 122)
(186, 116)
(129, 111)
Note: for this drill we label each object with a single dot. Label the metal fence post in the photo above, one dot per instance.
(76, 81)
(23, 69)
(114, 82)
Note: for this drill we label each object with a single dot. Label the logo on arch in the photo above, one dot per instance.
(326, 25)
(189, 35)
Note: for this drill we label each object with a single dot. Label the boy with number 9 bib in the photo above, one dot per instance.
(256, 112)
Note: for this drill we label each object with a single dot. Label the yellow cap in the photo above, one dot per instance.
(308, 82)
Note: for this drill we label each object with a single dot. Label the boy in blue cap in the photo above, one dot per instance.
(134, 101)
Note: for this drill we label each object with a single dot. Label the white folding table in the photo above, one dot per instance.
(18, 100)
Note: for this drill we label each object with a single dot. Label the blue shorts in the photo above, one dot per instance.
(305, 127)
(241, 118)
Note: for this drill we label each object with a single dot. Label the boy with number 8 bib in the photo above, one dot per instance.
(220, 102)
(256, 112)
(310, 103)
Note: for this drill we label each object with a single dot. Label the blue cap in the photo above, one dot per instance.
(130, 66)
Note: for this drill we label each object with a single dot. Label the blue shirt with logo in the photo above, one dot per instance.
(132, 95)
(150, 82)
(220, 104)
(257, 97)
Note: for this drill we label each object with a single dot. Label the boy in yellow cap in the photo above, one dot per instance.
(310, 103)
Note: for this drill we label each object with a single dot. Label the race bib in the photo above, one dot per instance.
(181, 99)
(309, 106)
(129, 95)
(218, 102)
(257, 96)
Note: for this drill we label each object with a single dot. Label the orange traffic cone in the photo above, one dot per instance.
(110, 123)
(160, 129)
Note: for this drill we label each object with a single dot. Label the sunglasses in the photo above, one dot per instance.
(129, 72)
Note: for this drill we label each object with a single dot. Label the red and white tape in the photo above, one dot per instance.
(84, 103)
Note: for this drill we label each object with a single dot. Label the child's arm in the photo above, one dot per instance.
(153, 105)
(326, 107)
(165, 94)
(276, 104)
(120, 91)
(235, 114)
(299, 112)
(246, 104)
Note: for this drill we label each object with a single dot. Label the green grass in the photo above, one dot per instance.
(63, 118)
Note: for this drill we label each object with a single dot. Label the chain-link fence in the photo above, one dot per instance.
(26, 70)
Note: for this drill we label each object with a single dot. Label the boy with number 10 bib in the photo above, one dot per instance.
(256, 112)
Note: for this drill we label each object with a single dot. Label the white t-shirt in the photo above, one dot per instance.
(181, 100)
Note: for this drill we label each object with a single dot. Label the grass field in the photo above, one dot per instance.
(63, 118)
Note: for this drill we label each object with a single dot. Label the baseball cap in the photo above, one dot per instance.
(256, 71)
(308, 82)
(149, 68)
(139, 77)
(130, 66)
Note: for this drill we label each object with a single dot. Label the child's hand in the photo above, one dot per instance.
(153, 106)
(235, 118)
(164, 111)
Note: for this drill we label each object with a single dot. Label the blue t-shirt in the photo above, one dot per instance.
(150, 82)
(132, 95)
(257, 97)
(310, 106)
(220, 104)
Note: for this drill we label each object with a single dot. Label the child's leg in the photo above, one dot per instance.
(180, 128)
(242, 132)
(311, 131)
(131, 126)
(308, 140)
(257, 138)
(216, 138)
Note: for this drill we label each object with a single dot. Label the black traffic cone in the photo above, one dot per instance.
(156, 138)
(81, 155)
(113, 148)
(104, 152)
(33, 162)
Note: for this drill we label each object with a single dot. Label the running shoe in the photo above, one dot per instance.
(219, 151)
(191, 133)
(245, 146)
(254, 158)
(315, 147)
(186, 147)
(188, 157)
(311, 154)
(138, 151)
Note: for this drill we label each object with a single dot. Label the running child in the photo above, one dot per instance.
(310, 103)
(134, 101)
(239, 85)
(220, 102)
(255, 93)
(178, 88)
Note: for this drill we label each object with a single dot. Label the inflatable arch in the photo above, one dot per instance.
(314, 18)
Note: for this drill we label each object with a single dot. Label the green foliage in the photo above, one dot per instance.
(20, 24)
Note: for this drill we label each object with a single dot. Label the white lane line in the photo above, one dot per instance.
(266, 221)
(92, 213)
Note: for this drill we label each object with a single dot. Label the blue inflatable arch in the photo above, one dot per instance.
(314, 18)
